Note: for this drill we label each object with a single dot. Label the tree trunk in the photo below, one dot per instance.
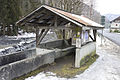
(3, 30)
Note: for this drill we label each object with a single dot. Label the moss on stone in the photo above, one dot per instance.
(85, 59)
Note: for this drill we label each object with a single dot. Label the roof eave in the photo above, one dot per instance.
(96, 27)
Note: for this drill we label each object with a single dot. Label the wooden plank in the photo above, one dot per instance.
(45, 18)
(30, 16)
(36, 24)
(50, 27)
(88, 34)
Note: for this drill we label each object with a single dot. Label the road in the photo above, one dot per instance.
(114, 37)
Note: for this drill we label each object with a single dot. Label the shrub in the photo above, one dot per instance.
(117, 31)
(110, 30)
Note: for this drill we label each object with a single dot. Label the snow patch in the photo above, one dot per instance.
(26, 35)
(45, 76)
(87, 20)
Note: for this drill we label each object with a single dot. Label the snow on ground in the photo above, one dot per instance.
(12, 44)
(21, 46)
(26, 35)
(45, 76)
(107, 66)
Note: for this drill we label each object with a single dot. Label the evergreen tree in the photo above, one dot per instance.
(9, 14)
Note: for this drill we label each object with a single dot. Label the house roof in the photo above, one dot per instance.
(118, 18)
(43, 16)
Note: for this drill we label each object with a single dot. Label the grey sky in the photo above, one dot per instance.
(108, 6)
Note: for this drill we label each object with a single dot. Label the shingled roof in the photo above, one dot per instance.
(43, 17)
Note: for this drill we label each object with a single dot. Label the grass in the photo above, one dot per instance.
(115, 31)
(110, 30)
(66, 70)
(33, 73)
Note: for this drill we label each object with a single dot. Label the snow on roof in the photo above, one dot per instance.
(92, 23)
(83, 20)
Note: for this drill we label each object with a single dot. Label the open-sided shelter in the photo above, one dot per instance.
(45, 18)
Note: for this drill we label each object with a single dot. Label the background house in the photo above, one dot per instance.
(115, 24)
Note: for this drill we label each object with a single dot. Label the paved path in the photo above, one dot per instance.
(114, 37)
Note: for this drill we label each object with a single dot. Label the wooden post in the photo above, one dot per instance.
(55, 24)
(64, 34)
(88, 34)
(83, 35)
(37, 33)
(39, 36)
(94, 33)
(101, 36)
(70, 37)
(78, 48)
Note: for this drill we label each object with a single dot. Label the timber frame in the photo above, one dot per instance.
(45, 18)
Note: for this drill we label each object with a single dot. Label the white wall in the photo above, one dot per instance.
(115, 25)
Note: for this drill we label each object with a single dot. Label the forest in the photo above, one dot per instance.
(13, 10)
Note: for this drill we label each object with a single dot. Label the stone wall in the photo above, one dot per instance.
(16, 69)
(27, 62)
(16, 56)
(55, 44)
(52, 44)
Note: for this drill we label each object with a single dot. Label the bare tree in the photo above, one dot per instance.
(73, 6)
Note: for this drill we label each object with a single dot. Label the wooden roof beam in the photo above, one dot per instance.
(30, 16)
